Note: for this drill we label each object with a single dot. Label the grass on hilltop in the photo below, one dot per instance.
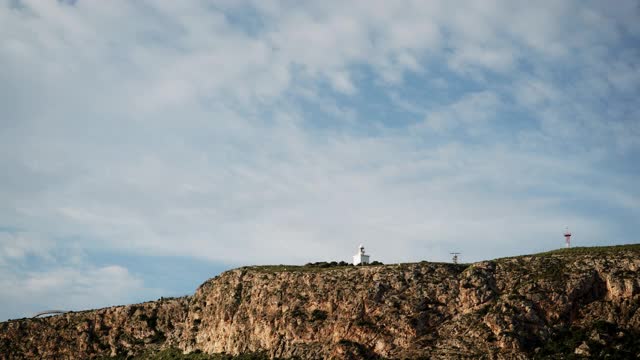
(592, 250)
(333, 265)
(310, 267)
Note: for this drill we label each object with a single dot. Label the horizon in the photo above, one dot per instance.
(57, 312)
(146, 146)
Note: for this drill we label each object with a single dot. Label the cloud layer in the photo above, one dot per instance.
(283, 132)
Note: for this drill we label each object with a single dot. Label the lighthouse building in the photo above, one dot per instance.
(360, 257)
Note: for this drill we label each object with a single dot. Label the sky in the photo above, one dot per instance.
(146, 146)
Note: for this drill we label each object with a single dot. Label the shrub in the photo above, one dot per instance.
(298, 313)
(318, 315)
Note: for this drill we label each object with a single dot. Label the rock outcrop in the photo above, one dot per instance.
(570, 303)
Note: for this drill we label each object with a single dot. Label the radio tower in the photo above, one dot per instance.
(455, 257)
(567, 236)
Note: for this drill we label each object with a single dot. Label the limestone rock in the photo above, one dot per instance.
(582, 302)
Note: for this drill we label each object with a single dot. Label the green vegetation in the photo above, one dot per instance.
(593, 250)
(515, 261)
(342, 265)
(604, 340)
(298, 313)
(354, 350)
(553, 270)
(324, 264)
(292, 268)
(318, 315)
(366, 323)
(309, 267)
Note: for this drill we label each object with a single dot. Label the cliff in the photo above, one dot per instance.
(563, 304)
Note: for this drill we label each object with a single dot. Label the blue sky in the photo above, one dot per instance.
(147, 146)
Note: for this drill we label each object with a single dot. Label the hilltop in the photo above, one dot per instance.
(568, 303)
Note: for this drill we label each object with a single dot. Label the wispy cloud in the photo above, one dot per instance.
(267, 131)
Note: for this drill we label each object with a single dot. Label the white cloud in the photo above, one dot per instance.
(105, 283)
(15, 246)
(67, 288)
(37, 275)
(236, 131)
(342, 83)
(472, 112)
(533, 92)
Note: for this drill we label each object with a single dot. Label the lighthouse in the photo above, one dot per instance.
(360, 257)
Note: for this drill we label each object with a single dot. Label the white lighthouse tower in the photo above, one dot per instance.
(360, 257)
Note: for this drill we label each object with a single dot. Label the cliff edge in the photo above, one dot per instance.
(581, 302)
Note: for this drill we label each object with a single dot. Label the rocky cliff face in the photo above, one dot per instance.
(581, 302)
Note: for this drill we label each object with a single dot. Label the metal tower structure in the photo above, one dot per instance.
(567, 237)
(455, 257)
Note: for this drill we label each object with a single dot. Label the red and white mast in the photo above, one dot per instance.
(567, 237)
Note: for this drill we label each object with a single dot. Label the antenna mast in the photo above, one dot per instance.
(455, 257)
(567, 237)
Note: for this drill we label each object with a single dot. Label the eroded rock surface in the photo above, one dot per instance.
(582, 302)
